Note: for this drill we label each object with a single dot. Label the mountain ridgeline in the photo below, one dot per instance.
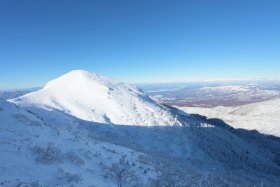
(99, 99)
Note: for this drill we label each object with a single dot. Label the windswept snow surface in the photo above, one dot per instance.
(51, 148)
(37, 150)
(263, 116)
(44, 141)
(96, 98)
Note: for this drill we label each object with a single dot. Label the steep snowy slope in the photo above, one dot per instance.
(96, 98)
(50, 148)
(263, 116)
(48, 138)
(38, 151)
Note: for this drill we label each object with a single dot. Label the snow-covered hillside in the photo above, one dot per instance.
(52, 137)
(96, 98)
(51, 148)
(41, 151)
(263, 116)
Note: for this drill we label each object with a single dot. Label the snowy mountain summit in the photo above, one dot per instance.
(92, 97)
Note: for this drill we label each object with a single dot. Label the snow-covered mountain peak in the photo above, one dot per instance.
(78, 78)
(96, 98)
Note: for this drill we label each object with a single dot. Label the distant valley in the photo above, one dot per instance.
(212, 93)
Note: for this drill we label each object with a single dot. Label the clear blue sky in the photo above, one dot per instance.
(139, 41)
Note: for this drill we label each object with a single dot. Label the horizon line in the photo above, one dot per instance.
(31, 88)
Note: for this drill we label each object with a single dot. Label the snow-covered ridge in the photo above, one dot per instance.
(96, 98)
(262, 116)
(231, 88)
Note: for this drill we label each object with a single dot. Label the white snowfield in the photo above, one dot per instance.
(50, 148)
(96, 98)
(262, 116)
(46, 152)
(48, 139)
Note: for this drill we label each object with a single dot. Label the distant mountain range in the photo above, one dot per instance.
(13, 93)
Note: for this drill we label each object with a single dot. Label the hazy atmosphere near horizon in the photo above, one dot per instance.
(139, 93)
(139, 41)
